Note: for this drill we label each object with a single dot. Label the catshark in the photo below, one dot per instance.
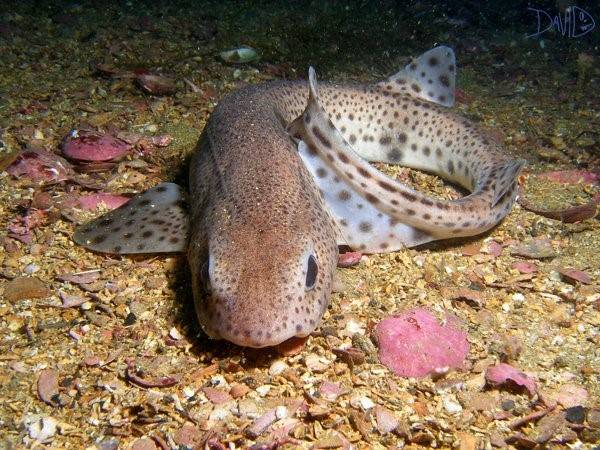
(280, 179)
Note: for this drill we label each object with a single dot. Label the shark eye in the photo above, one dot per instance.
(312, 270)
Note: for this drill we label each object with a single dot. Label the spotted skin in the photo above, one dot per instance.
(155, 221)
(266, 212)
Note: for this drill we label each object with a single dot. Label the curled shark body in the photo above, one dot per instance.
(279, 179)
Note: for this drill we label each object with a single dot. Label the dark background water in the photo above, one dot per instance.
(329, 33)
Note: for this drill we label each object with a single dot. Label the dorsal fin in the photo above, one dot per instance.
(431, 76)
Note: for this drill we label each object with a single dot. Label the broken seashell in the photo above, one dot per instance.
(239, 55)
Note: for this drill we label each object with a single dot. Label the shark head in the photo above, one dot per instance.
(266, 275)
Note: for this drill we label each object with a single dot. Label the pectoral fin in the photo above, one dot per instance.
(154, 221)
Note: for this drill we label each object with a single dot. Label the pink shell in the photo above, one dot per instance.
(414, 344)
(503, 374)
(87, 146)
(112, 201)
(40, 165)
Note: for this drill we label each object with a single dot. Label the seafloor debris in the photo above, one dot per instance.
(505, 374)
(88, 146)
(415, 344)
(239, 55)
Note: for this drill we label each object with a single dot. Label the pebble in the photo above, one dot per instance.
(21, 288)
(593, 418)
(175, 334)
(518, 297)
(248, 408)
(281, 412)
(277, 367)
(31, 268)
(575, 414)
(263, 390)
(42, 429)
(451, 405)
(363, 402)
(316, 363)
(143, 444)
(218, 414)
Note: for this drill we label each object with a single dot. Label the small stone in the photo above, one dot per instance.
(386, 420)
(175, 334)
(319, 411)
(507, 405)
(130, 319)
(572, 395)
(47, 386)
(218, 414)
(277, 367)
(43, 429)
(216, 396)
(362, 402)
(316, 363)
(188, 436)
(238, 390)
(21, 288)
(593, 418)
(451, 405)
(248, 408)
(263, 390)
(575, 414)
(281, 412)
(467, 441)
(144, 444)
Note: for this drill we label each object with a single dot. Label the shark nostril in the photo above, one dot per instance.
(312, 270)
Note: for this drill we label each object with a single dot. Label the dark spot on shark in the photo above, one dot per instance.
(319, 134)
(365, 227)
(99, 239)
(415, 87)
(344, 195)
(363, 172)
(444, 80)
(408, 196)
(387, 186)
(371, 198)
(343, 157)
(451, 167)
(394, 155)
(433, 61)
